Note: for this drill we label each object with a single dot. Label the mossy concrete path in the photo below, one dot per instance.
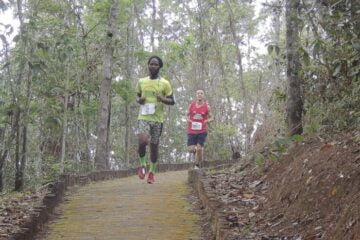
(129, 209)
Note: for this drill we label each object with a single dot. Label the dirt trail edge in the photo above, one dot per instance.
(129, 209)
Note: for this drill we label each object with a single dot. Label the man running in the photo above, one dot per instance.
(198, 114)
(152, 93)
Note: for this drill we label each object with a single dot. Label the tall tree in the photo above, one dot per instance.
(294, 105)
(239, 55)
(21, 112)
(103, 125)
(5, 145)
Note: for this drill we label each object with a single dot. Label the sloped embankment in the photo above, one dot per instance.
(311, 193)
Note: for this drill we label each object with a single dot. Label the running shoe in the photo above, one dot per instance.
(150, 178)
(141, 172)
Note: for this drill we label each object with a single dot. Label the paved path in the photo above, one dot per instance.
(129, 209)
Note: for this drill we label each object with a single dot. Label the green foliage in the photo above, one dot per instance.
(297, 138)
(7, 110)
(304, 55)
(279, 147)
(177, 52)
(54, 123)
(101, 6)
(259, 160)
(279, 95)
(124, 90)
(331, 75)
(90, 109)
(225, 130)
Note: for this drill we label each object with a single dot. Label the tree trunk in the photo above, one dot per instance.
(85, 154)
(139, 23)
(127, 133)
(19, 180)
(16, 129)
(63, 133)
(17, 92)
(276, 23)
(229, 115)
(20, 167)
(254, 111)
(202, 48)
(153, 25)
(294, 104)
(239, 55)
(102, 148)
(5, 146)
(3, 155)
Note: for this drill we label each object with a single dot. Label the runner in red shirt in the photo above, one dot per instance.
(198, 115)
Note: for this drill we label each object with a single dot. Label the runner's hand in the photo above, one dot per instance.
(141, 100)
(159, 97)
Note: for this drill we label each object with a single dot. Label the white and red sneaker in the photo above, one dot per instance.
(150, 178)
(141, 172)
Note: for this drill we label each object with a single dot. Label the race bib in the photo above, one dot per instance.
(196, 125)
(147, 109)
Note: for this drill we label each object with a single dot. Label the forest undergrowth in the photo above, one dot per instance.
(311, 191)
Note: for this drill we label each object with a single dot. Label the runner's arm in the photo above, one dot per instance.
(168, 100)
(188, 114)
(209, 117)
(139, 99)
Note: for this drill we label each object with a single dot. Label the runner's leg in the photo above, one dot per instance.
(199, 154)
(154, 152)
(155, 133)
(143, 141)
(191, 143)
(200, 148)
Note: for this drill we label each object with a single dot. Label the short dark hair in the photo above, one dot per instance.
(158, 58)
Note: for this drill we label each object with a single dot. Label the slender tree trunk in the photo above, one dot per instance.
(85, 154)
(202, 48)
(17, 91)
(129, 77)
(19, 180)
(153, 25)
(276, 63)
(160, 27)
(108, 146)
(229, 114)
(102, 142)
(20, 167)
(255, 110)
(139, 23)
(63, 133)
(248, 54)
(3, 155)
(127, 133)
(16, 129)
(294, 104)
(5, 145)
(239, 55)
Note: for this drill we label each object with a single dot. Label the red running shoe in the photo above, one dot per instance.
(141, 172)
(150, 178)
